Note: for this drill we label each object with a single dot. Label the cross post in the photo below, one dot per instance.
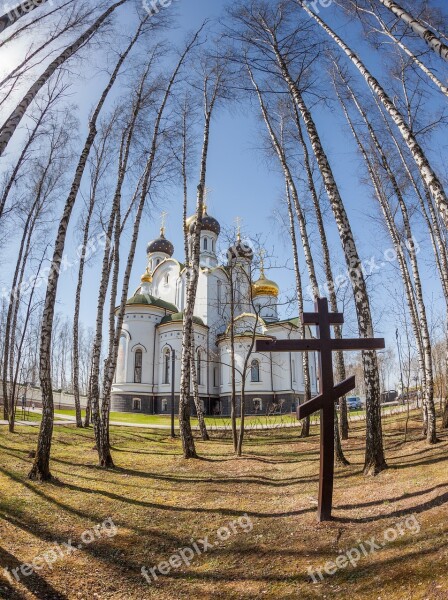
(329, 393)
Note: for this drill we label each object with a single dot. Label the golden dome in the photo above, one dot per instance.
(146, 277)
(265, 287)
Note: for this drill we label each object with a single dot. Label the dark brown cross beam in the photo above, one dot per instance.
(329, 392)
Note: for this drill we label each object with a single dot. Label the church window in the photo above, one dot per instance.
(219, 295)
(258, 405)
(136, 404)
(215, 377)
(205, 243)
(167, 279)
(138, 363)
(167, 366)
(255, 371)
(199, 367)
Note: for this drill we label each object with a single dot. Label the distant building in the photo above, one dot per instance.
(152, 330)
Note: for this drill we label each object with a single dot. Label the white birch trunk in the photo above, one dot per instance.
(418, 28)
(41, 466)
(428, 175)
(374, 459)
(196, 398)
(144, 183)
(8, 128)
(19, 11)
(429, 408)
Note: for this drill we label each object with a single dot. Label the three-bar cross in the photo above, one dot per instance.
(329, 392)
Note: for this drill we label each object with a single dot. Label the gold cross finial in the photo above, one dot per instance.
(163, 217)
(262, 254)
(207, 192)
(238, 228)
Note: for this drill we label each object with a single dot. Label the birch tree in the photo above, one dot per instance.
(40, 469)
(417, 308)
(101, 423)
(212, 90)
(19, 11)
(428, 36)
(377, 25)
(427, 172)
(12, 122)
(99, 167)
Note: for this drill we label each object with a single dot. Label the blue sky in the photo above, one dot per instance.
(243, 183)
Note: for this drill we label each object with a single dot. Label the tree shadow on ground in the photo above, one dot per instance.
(36, 584)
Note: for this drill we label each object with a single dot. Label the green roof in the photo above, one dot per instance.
(179, 316)
(294, 322)
(149, 300)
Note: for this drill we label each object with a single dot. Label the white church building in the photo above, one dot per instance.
(148, 368)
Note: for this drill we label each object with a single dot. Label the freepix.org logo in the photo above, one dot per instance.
(153, 7)
(12, 12)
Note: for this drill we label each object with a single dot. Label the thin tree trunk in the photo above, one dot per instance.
(418, 28)
(8, 128)
(374, 458)
(339, 355)
(423, 321)
(19, 11)
(291, 190)
(196, 398)
(144, 183)
(41, 466)
(428, 175)
(232, 363)
(186, 433)
(305, 432)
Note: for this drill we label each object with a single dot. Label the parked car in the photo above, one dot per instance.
(354, 403)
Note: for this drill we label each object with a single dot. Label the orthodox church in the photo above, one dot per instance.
(148, 368)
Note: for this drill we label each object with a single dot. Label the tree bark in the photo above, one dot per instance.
(339, 355)
(196, 398)
(374, 458)
(41, 467)
(8, 128)
(19, 11)
(426, 171)
(418, 28)
(422, 325)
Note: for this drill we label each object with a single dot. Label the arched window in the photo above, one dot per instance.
(167, 279)
(167, 366)
(213, 245)
(258, 405)
(205, 243)
(255, 371)
(219, 292)
(138, 363)
(199, 368)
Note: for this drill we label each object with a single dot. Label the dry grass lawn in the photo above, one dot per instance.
(160, 503)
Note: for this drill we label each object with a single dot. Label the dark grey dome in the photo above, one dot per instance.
(208, 224)
(240, 250)
(161, 244)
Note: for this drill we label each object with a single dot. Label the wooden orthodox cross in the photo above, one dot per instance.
(329, 392)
